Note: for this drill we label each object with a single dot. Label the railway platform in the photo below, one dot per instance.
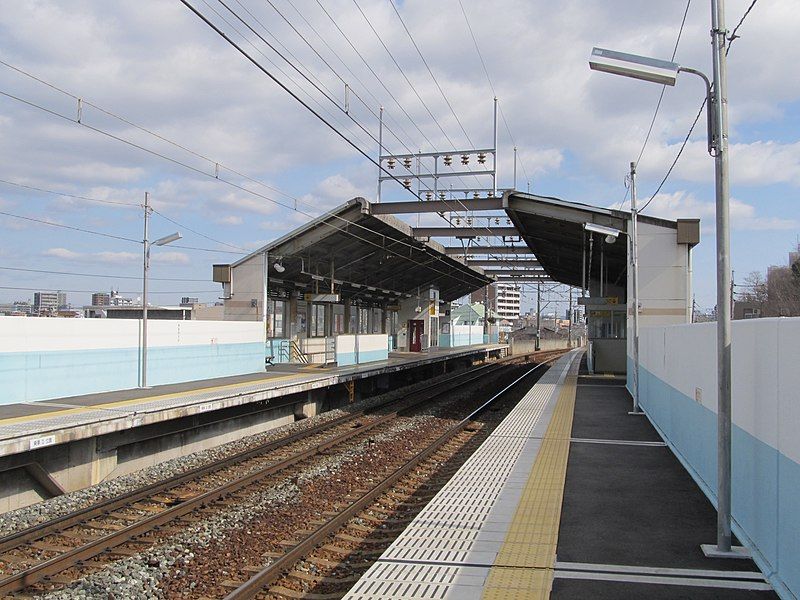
(570, 497)
(68, 443)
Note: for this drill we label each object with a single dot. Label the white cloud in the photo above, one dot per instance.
(237, 201)
(684, 205)
(172, 258)
(230, 220)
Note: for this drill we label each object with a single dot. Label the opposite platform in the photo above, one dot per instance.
(31, 425)
(569, 497)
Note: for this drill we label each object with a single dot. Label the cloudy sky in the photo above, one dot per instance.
(234, 154)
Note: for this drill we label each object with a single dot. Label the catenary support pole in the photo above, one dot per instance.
(538, 314)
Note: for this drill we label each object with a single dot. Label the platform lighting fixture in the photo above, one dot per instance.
(666, 72)
(278, 266)
(145, 273)
(610, 233)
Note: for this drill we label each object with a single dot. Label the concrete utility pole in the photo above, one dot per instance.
(634, 238)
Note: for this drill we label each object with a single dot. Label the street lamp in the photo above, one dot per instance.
(665, 72)
(168, 239)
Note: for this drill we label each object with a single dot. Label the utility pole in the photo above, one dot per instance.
(720, 129)
(538, 314)
(569, 314)
(634, 262)
(145, 269)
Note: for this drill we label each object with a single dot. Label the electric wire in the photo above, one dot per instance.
(330, 94)
(660, 97)
(430, 72)
(344, 228)
(300, 89)
(76, 196)
(38, 289)
(100, 275)
(491, 84)
(61, 225)
(733, 37)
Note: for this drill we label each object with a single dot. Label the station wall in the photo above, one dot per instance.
(368, 348)
(678, 392)
(53, 358)
(461, 335)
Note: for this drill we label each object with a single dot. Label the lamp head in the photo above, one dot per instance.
(278, 266)
(167, 239)
(635, 66)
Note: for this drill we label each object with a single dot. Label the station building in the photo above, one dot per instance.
(350, 287)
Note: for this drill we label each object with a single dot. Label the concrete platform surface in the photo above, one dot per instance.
(569, 498)
(32, 425)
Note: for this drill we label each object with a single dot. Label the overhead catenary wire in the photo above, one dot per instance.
(38, 289)
(491, 83)
(100, 275)
(73, 228)
(430, 71)
(178, 162)
(344, 228)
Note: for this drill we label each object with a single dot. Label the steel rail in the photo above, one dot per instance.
(27, 577)
(256, 584)
(41, 530)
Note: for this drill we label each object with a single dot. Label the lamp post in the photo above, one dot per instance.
(666, 73)
(145, 271)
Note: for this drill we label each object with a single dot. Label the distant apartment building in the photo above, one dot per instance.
(189, 301)
(48, 302)
(101, 299)
(503, 297)
(507, 301)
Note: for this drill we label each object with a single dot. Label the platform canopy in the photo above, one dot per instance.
(367, 256)
(554, 230)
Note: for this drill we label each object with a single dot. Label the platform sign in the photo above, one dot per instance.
(322, 297)
(608, 300)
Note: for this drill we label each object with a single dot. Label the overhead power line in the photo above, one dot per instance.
(427, 66)
(697, 118)
(38, 289)
(100, 275)
(62, 226)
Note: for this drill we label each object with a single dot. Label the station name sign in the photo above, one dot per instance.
(609, 300)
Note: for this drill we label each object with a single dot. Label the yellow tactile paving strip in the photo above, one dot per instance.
(525, 563)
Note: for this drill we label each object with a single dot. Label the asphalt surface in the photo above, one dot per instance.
(633, 505)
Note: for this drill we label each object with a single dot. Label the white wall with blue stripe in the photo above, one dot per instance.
(43, 358)
(678, 391)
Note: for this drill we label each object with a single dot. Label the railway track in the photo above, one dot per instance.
(406, 488)
(87, 538)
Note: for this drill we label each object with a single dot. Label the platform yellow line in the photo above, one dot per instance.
(524, 566)
(82, 409)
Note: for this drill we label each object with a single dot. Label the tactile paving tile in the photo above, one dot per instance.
(448, 548)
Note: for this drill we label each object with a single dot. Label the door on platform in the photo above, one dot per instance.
(415, 330)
